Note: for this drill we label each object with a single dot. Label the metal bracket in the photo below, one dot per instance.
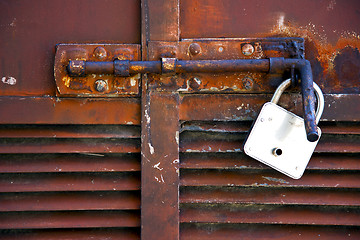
(72, 60)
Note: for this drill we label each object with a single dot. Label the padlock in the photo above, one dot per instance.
(278, 137)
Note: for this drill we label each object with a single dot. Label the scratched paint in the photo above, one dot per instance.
(8, 80)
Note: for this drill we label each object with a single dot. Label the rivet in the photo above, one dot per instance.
(247, 83)
(194, 83)
(247, 49)
(194, 49)
(221, 49)
(100, 53)
(100, 85)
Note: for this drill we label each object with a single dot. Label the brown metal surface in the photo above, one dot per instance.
(30, 31)
(68, 59)
(67, 131)
(86, 162)
(282, 214)
(329, 27)
(267, 179)
(73, 234)
(55, 201)
(239, 107)
(329, 161)
(31, 145)
(160, 170)
(85, 219)
(260, 231)
(223, 192)
(39, 182)
(243, 195)
(163, 18)
(45, 110)
(87, 190)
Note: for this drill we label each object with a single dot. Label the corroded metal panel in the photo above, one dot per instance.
(89, 85)
(30, 30)
(330, 28)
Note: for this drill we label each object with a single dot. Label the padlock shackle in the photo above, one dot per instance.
(319, 96)
(279, 65)
(320, 102)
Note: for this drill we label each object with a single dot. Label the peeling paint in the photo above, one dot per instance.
(8, 80)
(147, 117)
(156, 166)
(151, 148)
(177, 137)
(279, 180)
(132, 82)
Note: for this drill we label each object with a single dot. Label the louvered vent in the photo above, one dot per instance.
(69, 182)
(227, 195)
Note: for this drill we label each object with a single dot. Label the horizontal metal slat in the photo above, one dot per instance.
(17, 163)
(51, 201)
(81, 219)
(72, 234)
(83, 145)
(263, 231)
(241, 161)
(269, 178)
(69, 131)
(221, 127)
(51, 110)
(234, 107)
(259, 195)
(244, 127)
(269, 214)
(230, 142)
(32, 182)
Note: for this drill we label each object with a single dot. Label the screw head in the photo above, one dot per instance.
(194, 83)
(247, 49)
(247, 83)
(194, 49)
(100, 53)
(100, 85)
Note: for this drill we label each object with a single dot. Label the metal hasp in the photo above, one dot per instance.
(171, 65)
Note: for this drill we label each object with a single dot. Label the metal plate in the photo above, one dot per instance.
(278, 139)
(223, 49)
(114, 86)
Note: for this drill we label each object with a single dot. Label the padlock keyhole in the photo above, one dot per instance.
(277, 152)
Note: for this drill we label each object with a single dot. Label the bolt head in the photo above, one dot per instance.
(100, 85)
(100, 53)
(247, 49)
(194, 49)
(194, 83)
(247, 83)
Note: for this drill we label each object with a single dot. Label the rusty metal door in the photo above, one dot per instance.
(158, 156)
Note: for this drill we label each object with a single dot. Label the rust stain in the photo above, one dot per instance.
(319, 49)
(66, 80)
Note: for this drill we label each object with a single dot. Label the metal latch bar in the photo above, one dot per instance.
(78, 68)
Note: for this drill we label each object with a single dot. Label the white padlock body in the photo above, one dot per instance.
(278, 139)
